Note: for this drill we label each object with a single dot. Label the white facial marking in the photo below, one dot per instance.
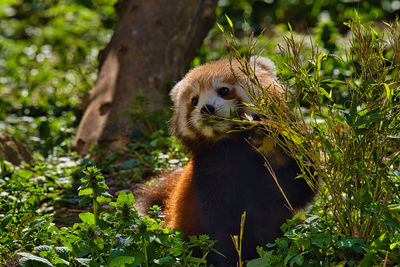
(183, 127)
(223, 108)
(207, 131)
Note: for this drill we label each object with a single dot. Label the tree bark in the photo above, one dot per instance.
(154, 41)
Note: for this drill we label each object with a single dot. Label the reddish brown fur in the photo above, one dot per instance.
(181, 209)
(175, 193)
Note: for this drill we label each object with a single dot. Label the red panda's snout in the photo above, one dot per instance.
(208, 110)
(212, 116)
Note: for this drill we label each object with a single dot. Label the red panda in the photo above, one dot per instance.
(225, 175)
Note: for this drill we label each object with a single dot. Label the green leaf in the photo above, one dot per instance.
(94, 263)
(103, 199)
(39, 249)
(394, 206)
(84, 262)
(290, 27)
(321, 239)
(121, 261)
(63, 252)
(229, 21)
(389, 92)
(220, 27)
(351, 118)
(322, 56)
(86, 192)
(99, 242)
(25, 174)
(137, 255)
(394, 245)
(266, 260)
(282, 243)
(299, 260)
(330, 149)
(61, 262)
(87, 217)
(326, 94)
(125, 199)
(293, 251)
(29, 260)
(5, 221)
(155, 238)
(372, 116)
(367, 260)
(122, 197)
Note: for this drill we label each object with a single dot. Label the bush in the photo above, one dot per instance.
(345, 134)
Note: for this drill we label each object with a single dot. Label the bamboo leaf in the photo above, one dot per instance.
(220, 27)
(229, 21)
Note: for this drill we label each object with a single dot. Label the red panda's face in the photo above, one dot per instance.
(205, 107)
(209, 96)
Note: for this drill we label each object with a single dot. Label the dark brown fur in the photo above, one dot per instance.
(221, 182)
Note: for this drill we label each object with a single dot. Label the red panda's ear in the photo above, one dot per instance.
(265, 64)
(264, 69)
(175, 92)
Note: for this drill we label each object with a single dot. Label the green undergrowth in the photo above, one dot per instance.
(38, 198)
(111, 234)
(44, 220)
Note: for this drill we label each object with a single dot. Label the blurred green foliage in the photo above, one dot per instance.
(303, 15)
(48, 49)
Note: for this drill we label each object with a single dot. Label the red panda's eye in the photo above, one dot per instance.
(195, 100)
(224, 91)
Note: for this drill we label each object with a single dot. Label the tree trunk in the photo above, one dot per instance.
(154, 41)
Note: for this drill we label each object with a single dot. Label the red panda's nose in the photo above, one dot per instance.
(207, 109)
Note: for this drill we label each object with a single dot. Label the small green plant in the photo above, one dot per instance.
(237, 240)
(94, 189)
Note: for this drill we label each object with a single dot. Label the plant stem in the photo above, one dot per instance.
(145, 252)
(95, 206)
